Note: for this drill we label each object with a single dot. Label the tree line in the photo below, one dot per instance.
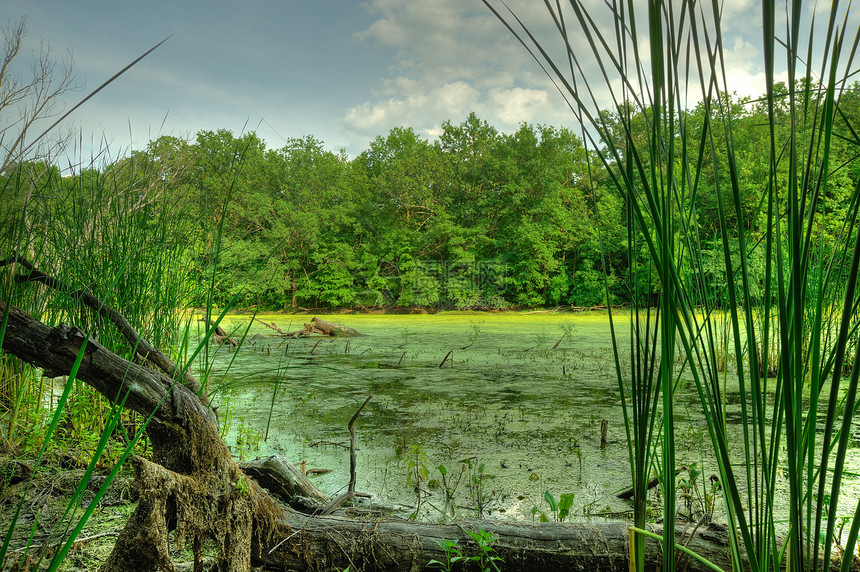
(476, 219)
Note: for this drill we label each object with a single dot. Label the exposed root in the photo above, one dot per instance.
(211, 499)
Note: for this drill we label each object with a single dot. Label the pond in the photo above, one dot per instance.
(484, 413)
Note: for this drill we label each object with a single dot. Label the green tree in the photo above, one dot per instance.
(400, 180)
(311, 201)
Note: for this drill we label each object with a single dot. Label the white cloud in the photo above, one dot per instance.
(451, 58)
(414, 104)
(351, 75)
(519, 104)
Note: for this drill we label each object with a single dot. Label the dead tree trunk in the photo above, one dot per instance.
(332, 329)
(144, 350)
(221, 336)
(193, 488)
(323, 328)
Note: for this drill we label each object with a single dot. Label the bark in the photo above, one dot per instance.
(283, 479)
(272, 326)
(323, 328)
(332, 329)
(145, 350)
(224, 340)
(54, 349)
(221, 336)
(334, 542)
(193, 488)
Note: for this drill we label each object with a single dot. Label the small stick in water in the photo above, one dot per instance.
(351, 427)
(446, 359)
(604, 428)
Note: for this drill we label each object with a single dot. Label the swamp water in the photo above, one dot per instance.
(509, 416)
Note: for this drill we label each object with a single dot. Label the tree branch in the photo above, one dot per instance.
(54, 349)
(144, 350)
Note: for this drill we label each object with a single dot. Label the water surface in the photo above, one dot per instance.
(515, 411)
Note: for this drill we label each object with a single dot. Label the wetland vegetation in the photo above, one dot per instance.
(515, 412)
(723, 386)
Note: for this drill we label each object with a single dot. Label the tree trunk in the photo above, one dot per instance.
(332, 329)
(193, 488)
(323, 328)
(283, 479)
(294, 303)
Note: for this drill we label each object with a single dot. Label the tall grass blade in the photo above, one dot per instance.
(786, 305)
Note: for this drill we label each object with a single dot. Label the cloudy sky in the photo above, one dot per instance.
(340, 70)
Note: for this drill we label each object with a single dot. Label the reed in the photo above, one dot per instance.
(112, 230)
(787, 304)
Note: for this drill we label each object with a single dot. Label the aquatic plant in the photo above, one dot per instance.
(485, 558)
(417, 473)
(558, 509)
(480, 498)
(452, 554)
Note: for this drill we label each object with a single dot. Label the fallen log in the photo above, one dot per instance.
(272, 326)
(401, 546)
(145, 351)
(282, 479)
(193, 487)
(219, 340)
(322, 327)
(302, 542)
(220, 336)
(332, 329)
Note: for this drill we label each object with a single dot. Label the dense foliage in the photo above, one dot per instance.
(475, 219)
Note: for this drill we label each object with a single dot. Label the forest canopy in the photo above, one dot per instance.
(476, 219)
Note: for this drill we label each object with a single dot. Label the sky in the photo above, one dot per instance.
(344, 72)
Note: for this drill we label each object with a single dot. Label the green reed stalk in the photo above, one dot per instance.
(789, 285)
(116, 231)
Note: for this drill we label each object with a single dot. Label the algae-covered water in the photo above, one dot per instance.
(514, 411)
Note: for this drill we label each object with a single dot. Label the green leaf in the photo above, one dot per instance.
(565, 505)
(550, 499)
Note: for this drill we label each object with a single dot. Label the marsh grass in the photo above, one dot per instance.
(114, 231)
(788, 289)
(106, 233)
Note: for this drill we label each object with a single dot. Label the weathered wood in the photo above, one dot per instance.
(296, 334)
(332, 329)
(282, 479)
(54, 349)
(351, 426)
(301, 542)
(322, 328)
(272, 326)
(145, 350)
(220, 336)
(219, 340)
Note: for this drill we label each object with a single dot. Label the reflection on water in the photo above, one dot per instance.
(510, 415)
